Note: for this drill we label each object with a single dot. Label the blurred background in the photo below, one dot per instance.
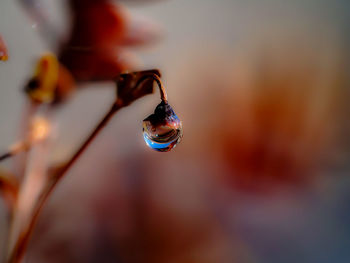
(262, 173)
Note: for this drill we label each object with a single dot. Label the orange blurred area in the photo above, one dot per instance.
(3, 50)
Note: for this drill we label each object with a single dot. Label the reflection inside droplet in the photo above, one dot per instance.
(162, 130)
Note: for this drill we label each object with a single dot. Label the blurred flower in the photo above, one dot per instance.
(100, 31)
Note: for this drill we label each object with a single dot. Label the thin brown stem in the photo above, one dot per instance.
(22, 242)
(87, 142)
(163, 94)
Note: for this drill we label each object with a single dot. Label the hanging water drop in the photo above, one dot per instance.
(162, 130)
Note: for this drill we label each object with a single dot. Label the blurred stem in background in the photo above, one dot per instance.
(37, 187)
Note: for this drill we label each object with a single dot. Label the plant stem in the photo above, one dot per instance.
(22, 242)
(163, 94)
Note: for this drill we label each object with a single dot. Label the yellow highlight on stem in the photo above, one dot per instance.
(40, 129)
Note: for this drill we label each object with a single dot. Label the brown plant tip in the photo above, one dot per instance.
(132, 86)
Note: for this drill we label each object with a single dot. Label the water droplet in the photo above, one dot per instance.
(162, 130)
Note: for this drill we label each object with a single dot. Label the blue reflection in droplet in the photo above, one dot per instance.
(166, 144)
